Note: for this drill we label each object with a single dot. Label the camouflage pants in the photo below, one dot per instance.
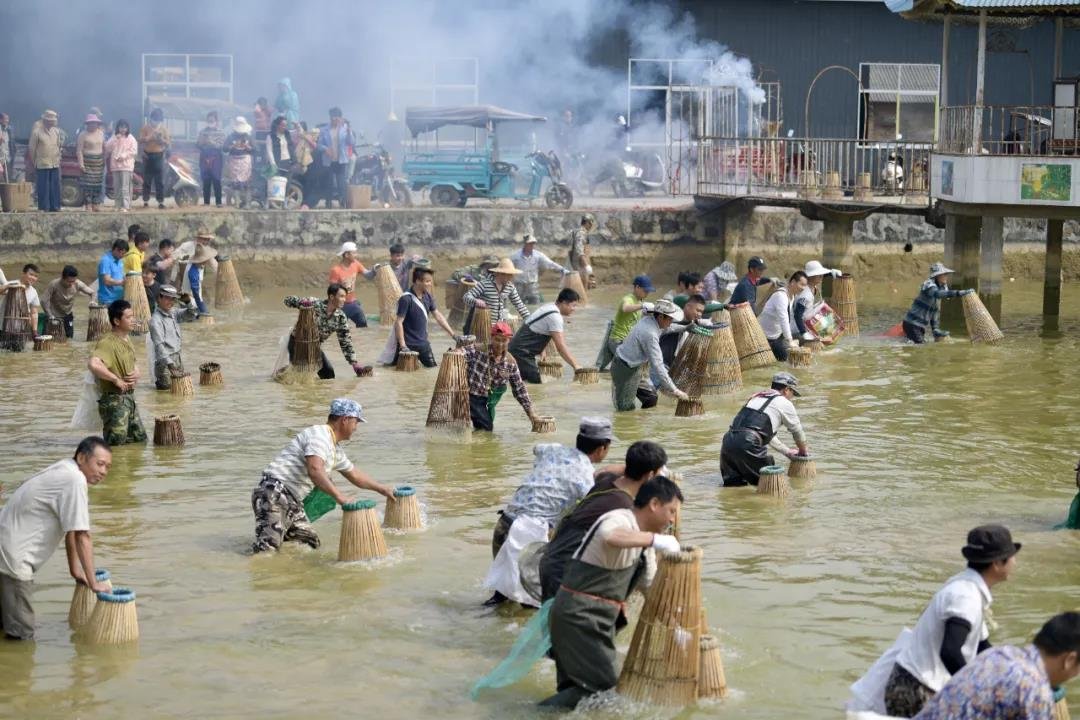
(162, 375)
(279, 517)
(120, 423)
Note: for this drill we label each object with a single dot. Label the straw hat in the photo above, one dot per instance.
(203, 254)
(939, 269)
(347, 247)
(204, 233)
(241, 125)
(50, 115)
(505, 267)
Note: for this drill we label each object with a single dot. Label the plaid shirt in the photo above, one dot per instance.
(1002, 683)
(486, 374)
(496, 300)
(926, 310)
(334, 323)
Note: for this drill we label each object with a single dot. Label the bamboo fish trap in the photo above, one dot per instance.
(206, 319)
(691, 362)
(97, 322)
(449, 408)
(550, 365)
(455, 301)
(711, 681)
(18, 328)
(180, 385)
(407, 361)
(307, 355)
(814, 346)
(754, 350)
(722, 372)
(84, 599)
(800, 357)
(135, 293)
(361, 536)
(662, 663)
(689, 408)
(43, 343)
(168, 432)
(114, 620)
(721, 317)
(481, 326)
(543, 424)
(980, 323)
(55, 328)
(1061, 710)
(802, 467)
(227, 292)
(389, 289)
(772, 481)
(403, 512)
(843, 303)
(575, 282)
(210, 374)
(587, 376)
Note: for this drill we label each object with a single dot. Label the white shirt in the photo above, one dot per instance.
(599, 553)
(531, 266)
(32, 300)
(290, 468)
(781, 413)
(552, 323)
(775, 317)
(34, 521)
(966, 596)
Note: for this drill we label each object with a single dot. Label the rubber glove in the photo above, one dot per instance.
(666, 543)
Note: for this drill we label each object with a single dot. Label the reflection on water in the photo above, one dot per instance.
(914, 446)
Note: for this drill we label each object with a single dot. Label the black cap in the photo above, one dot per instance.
(756, 263)
(988, 543)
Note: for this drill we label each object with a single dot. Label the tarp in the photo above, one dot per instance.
(426, 119)
(195, 109)
(993, 6)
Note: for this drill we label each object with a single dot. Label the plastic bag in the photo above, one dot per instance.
(86, 416)
(532, 644)
(824, 322)
(1072, 522)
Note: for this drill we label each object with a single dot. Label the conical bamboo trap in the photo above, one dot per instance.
(721, 317)
(800, 357)
(549, 364)
(689, 408)
(180, 385)
(43, 343)
(389, 289)
(574, 281)
(814, 346)
(55, 327)
(18, 328)
(361, 536)
(586, 376)
(84, 599)
(691, 362)
(167, 431)
(980, 323)
(135, 293)
(843, 303)
(407, 361)
(455, 301)
(723, 373)
(543, 424)
(403, 512)
(712, 685)
(662, 663)
(210, 374)
(1061, 710)
(449, 408)
(754, 350)
(97, 323)
(227, 292)
(773, 482)
(307, 354)
(114, 620)
(802, 467)
(481, 326)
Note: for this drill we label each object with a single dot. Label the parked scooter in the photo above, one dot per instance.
(631, 174)
(375, 167)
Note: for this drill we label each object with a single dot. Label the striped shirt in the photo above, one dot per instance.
(925, 312)
(497, 301)
(290, 468)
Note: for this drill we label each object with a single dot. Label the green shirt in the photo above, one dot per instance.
(625, 321)
(118, 355)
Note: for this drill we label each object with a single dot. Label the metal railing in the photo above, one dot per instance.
(1009, 130)
(831, 169)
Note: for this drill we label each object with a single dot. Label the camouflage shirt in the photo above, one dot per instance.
(336, 322)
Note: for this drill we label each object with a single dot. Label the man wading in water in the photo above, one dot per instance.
(743, 452)
(543, 326)
(489, 373)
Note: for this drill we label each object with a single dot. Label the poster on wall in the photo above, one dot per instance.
(946, 177)
(1046, 181)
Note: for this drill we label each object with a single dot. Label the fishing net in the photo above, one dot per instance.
(318, 503)
(1072, 522)
(531, 645)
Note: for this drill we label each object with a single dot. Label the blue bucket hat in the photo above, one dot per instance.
(643, 282)
(344, 407)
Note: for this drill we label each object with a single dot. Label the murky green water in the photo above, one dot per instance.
(915, 446)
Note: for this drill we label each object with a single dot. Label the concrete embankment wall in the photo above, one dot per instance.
(273, 244)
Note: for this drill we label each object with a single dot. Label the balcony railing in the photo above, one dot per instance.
(1009, 130)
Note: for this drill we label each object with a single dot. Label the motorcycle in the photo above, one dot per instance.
(632, 174)
(375, 167)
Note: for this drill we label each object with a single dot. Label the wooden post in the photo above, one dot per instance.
(1052, 278)
(991, 254)
(980, 86)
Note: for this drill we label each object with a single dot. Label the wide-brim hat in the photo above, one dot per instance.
(203, 254)
(168, 291)
(667, 308)
(347, 247)
(204, 233)
(939, 269)
(505, 267)
(241, 125)
(988, 543)
(489, 261)
(92, 118)
(816, 269)
(528, 239)
(50, 115)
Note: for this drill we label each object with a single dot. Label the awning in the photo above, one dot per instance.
(426, 119)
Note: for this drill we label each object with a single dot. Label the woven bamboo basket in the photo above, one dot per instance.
(43, 343)
(455, 301)
(307, 355)
(843, 303)
(449, 408)
(691, 363)
(180, 385)
(721, 317)
(689, 408)
(550, 364)
(114, 620)
(361, 536)
(55, 328)
(753, 348)
(586, 376)
(723, 373)
(814, 346)
(403, 512)
(168, 431)
(389, 291)
(227, 292)
(712, 685)
(662, 663)
(407, 361)
(514, 321)
(97, 322)
(84, 599)
(135, 293)
(772, 481)
(802, 467)
(980, 323)
(18, 328)
(210, 374)
(800, 357)
(575, 282)
(481, 326)
(1061, 710)
(206, 319)
(543, 424)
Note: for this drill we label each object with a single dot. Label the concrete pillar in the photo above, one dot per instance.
(836, 245)
(991, 255)
(963, 235)
(1052, 278)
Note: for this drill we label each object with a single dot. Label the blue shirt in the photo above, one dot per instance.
(745, 291)
(1001, 683)
(561, 476)
(325, 143)
(110, 266)
(194, 274)
(415, 320)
